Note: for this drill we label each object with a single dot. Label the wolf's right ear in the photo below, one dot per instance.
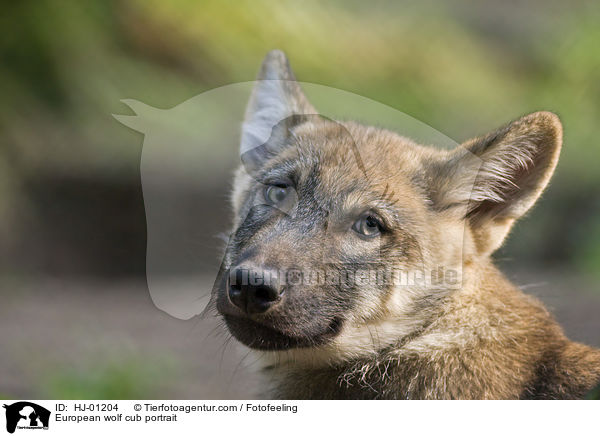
(277, 104)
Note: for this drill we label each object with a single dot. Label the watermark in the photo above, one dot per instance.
(187, 150)
(348, 276)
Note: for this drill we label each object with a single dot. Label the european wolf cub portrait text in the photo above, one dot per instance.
(359, 264)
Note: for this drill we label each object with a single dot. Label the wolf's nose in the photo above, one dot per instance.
(254, 290)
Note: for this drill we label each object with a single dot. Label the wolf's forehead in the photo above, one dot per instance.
(358, 148)
(355, 159)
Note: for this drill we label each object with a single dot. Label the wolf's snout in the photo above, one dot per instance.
(254, 290)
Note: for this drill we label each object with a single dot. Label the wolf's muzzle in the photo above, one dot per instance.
(254, 290)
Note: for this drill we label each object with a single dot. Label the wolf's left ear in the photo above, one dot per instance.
(277, 103)
(498, 177)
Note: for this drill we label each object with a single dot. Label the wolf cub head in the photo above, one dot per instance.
(349, 238)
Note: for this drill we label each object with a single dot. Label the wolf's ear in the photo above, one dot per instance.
(498, 177)
(277, 103)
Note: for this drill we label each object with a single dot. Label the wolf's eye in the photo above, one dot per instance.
(275, 194)
(367, 225)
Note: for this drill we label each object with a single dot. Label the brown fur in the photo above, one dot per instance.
(482, 340)
(515, 351)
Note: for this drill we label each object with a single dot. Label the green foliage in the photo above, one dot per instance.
(594, 394)
(112, 380)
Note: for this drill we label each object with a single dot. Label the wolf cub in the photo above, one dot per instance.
(359, 261)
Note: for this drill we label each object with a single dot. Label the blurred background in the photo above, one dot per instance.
(76, 319)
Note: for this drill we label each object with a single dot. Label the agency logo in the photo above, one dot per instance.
(180, 140)
(26, 415)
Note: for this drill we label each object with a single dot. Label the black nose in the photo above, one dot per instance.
(254, 290)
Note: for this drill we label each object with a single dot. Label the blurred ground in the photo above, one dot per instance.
(105, 339)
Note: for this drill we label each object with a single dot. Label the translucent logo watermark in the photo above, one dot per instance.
(188, 159)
